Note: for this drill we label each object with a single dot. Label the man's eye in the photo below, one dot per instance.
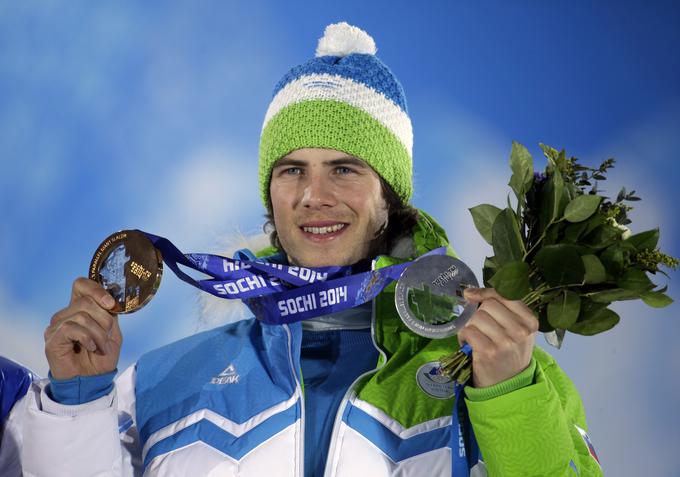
(342, 170)
(292, 171)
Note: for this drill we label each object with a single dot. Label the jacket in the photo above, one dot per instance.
(229, 402)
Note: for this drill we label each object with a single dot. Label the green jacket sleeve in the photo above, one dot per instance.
(534, 431)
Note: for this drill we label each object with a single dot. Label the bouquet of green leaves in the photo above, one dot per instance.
(565, 249)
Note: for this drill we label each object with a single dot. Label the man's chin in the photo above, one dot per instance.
(324, 263)
(324, 259)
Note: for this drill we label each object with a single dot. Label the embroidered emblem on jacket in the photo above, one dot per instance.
(228, 376)
(433, 382)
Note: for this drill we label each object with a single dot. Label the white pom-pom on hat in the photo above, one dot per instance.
(342, 39)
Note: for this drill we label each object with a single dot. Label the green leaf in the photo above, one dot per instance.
(549, 152)
(561, 161)
(572, 232)
(522, 166)
(489, 269)
(594, 222)
(512, 280)
(636, 280)
(582, 207)
(563, 311)
(544, 325)
(550, 200)
(484, 216)
(644, 240)
(595, 272)
(614, 294)
(506, 239)
(552, 234)
(612, 259)
(571, 190)
(560, 264)
(590, 308)
(558, 203)
(603, 321)
(656, 299)
(603, 236)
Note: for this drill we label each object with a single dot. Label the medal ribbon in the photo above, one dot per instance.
(464, 448)
(279, 294)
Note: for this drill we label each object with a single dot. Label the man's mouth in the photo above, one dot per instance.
(323, 230)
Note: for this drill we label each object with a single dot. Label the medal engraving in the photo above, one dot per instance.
(129, 267)
(429, 296)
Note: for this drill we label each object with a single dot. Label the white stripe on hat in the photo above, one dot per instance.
(338, 88)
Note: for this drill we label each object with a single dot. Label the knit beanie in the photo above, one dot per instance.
(345, 99)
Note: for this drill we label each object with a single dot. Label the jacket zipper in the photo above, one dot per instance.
(350, 391)
(301, 447)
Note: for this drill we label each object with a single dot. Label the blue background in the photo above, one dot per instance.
(147, 115)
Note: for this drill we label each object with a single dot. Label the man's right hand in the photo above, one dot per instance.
(84, 339)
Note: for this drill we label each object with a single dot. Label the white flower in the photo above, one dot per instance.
(625, 231)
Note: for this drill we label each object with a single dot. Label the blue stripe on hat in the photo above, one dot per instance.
(362, 68)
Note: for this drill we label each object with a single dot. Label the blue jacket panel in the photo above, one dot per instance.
(235, 372)
(14, 382)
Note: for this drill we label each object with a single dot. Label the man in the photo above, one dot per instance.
(338, 395)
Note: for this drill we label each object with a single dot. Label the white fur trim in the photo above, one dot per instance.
(342, 39)
(217, 311)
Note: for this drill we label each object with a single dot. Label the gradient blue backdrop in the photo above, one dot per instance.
(147, 115)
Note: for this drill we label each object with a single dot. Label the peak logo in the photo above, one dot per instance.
(228, 376)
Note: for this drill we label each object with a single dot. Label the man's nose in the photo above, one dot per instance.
(318, 193)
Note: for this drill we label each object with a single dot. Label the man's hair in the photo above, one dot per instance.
(401, 218)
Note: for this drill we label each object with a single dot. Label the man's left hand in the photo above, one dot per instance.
(501, 333)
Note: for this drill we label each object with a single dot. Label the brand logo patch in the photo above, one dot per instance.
(228, 376)
(326, 84)
(433, 383)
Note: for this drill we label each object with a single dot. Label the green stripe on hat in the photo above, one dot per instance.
(335, 125)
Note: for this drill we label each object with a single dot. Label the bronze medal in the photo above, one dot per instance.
(129, 267)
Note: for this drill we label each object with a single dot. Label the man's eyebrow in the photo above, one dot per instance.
(288, 162)
(347, 160)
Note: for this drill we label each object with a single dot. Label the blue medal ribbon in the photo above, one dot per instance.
(276, 293)
(464, 448)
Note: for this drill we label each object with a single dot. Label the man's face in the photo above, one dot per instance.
(327, 207)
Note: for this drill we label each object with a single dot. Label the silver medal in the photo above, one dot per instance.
(429, 296)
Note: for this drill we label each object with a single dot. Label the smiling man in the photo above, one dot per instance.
(353, 393)
(328, 207)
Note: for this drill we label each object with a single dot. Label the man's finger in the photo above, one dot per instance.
(471, 335)
(518, 307)
(489, 326)
(86, 324)
(88, 305)
(96, 312)
(86, 287)
(70, 332)
(514, 325)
